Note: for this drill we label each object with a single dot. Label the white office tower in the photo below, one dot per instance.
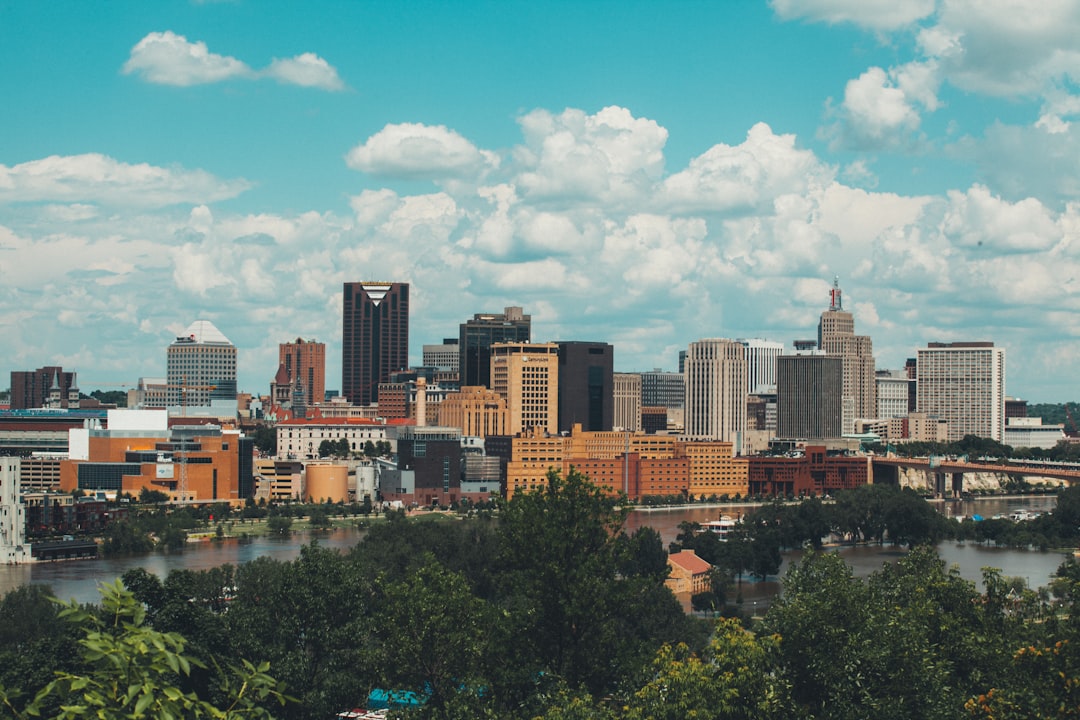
(13, 547)
(963, 383)
(715, 380)
(200, 367)
(761, 364)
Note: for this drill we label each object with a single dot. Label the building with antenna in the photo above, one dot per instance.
(836, 337)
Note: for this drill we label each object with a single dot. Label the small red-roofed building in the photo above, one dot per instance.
(689, 573)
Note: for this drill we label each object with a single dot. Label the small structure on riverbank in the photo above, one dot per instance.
(13, 547)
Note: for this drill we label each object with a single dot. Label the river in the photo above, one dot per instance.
(78, 579)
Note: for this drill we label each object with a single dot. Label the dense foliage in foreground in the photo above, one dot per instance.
(553, 612)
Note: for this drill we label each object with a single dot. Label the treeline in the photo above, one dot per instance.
(550, 611)
(975, 448)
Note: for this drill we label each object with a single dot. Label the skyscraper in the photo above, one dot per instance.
(527, 375)
(761, 364)
(627, 388)
(808, 396)
(200, 366)
(32, 389)
(305, 366)
(476, 337)
(963, 383)
(715, 372)
(586, 392)
(374, 337)
(836, 336)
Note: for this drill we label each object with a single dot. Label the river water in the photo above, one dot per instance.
(78, 579)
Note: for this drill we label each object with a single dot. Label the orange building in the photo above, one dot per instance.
(476, 411)
(188, 463)
(688, 573)
(639, 465)
(305, 365)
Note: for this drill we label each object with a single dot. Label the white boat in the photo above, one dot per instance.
(721, 527)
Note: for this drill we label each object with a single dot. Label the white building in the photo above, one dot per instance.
(627, 389)
(1029, 432)
(301, 438)
(761, 364)
(13, 547)
(892, 393)
(715, 380)
(963, 383)
(200, 367)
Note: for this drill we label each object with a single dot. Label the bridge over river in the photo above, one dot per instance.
(945, 475)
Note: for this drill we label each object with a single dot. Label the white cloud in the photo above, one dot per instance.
(873, 14)
(166, 58)
(881, 110)
(169, 59)
(978, 220)
(743, 177)
(414, 150)
(306, 70)
(98, 178)
(611, 156)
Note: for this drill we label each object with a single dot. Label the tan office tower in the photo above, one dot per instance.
(627, 388)
(963, 383)
(200, 366)
(527, 376)
(305, 364)
(836, 336)
(715, 378)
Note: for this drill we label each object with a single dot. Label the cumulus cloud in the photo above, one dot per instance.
(98, 178)
(978, 219)
(609, 156)
(415, 150)
(744, 177)
(882, 109)
(873, 14)
(306, 70)
(166, 58)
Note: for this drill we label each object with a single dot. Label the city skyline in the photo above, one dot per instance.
(638, 174)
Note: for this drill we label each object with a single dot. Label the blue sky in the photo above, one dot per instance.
(643, 173)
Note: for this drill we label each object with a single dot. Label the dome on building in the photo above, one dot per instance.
(204, 331)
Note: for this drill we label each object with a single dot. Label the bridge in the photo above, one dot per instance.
(946, 469)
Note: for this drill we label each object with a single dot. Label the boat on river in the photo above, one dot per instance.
(721, 528)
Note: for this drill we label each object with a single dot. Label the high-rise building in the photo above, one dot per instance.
(660, 388)
(527, 376)
(45, 387)
(893, 388)
(586, 395)
(444, 357)
(808, 392)
(476, 411)
(963, 383)
(374, 337)
(200, 366)
(836, 336)
(627, 401)
(715, 371)
(476, 337)
(761, 364)
(305, 366)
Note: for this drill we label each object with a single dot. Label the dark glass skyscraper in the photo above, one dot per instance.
(479, 334)
(586, 386)
(374, 337)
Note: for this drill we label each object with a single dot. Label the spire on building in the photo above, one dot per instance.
(835, 301)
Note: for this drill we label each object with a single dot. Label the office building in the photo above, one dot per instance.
(715, 379)
(836, 336)
(586, 393)
(445, 358)
(374, 337)
(200, 366)
(893, 389)
(477, 336)
(305, 369)
(808, 392)
(13, 547)
(660, 388)
(627, 388)
(963, 383)
(476, 411)
(761, 364)
(526, 375)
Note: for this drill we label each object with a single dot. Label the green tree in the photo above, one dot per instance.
(152, 497)
(129, 670)
(733, 679)
(279, 524)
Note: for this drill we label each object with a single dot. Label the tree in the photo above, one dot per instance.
(152, 497)
(128, 670)
(265, 438)
(279, 524)
(733, 679)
